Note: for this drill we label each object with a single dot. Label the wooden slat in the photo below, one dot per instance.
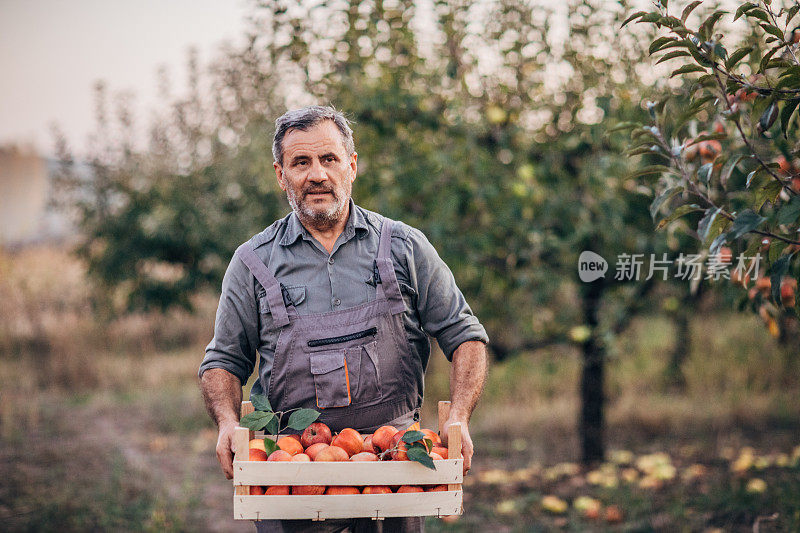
(347, 506)
(444, 414)
(247, 408)
(454, 447)
(241, 443)
(447, 471)
(453, 439)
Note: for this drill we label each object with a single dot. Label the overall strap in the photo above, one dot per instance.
(274, 290)
(388, 285)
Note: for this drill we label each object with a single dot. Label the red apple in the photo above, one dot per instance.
(364, 456)
(308, 490)
(368, 446)
(441, 451)
(279, 455)
(429, 434)
(278, 490)
(382, 438)
(410, 488)
(257, 455)
(400, 453)
(332, 453)
(336, 489)
(314, 449)
(349, 440)
(315, 433)
(376, 489)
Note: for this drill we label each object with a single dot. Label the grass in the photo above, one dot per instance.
(102, 426)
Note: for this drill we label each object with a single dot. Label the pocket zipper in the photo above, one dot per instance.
(343, 338)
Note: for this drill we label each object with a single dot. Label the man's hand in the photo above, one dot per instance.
(225, 449)
(466, 441)
(222, 393)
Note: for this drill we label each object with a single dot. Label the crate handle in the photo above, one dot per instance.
(241, 443)
(444, 414)
(453, 437)
(453, 434)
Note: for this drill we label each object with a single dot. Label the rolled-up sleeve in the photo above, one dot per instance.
(233, 347)
(442, 309)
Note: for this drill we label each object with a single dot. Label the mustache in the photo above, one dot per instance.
(317, 190)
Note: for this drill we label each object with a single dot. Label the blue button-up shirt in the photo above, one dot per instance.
(319, 282)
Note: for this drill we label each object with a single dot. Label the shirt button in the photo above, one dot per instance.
(330, 260)
(336, 301)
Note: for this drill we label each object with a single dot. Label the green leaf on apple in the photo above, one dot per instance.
(302, 418)
(418, 454)
(257, 420)
(260, 402)
(272, 426)
(270, 446)
(412, 436)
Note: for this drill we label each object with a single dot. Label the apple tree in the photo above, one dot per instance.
(721, 147)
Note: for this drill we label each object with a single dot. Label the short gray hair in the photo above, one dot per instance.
(306, 118)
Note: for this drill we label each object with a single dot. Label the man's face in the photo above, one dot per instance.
(317, 174)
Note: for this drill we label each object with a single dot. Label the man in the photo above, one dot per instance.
(338, 302)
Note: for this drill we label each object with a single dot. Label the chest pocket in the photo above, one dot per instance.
(297, 294)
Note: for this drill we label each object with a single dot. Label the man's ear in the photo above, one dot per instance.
(354, 165)
(279, 175)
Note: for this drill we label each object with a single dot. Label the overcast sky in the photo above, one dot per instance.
(52, 52)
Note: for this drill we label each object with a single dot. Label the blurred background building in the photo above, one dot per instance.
(26, 215)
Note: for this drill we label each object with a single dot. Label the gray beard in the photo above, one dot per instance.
(322, 220)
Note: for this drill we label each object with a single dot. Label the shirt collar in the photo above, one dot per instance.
(356, 223)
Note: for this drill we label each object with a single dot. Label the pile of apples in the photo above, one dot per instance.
(317, 443)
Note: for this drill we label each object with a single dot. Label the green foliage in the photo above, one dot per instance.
(412, 436)
(270, 446)
(302, 418)
(260, 402)
(418, 452)
(417, 448)
(159, 225)
(257, 420)
(272, 421)
(508, 169)
(744, 175)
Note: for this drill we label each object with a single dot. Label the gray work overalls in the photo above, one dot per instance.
(354, 366)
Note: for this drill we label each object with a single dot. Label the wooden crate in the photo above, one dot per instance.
(376, 506)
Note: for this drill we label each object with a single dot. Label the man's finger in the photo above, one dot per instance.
(225, 453)
(467, 453)
(225, 458)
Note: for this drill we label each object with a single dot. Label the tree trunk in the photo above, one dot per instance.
(674, 376)
(787, 340)
(592, 421)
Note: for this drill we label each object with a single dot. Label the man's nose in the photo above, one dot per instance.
(317, 172)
